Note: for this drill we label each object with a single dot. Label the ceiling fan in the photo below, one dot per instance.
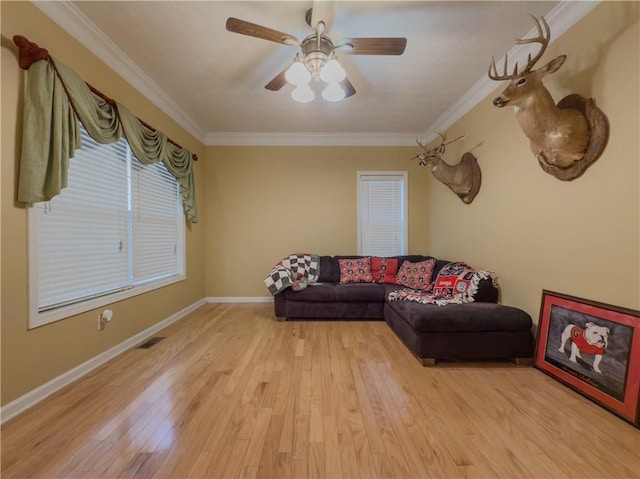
(317, 58)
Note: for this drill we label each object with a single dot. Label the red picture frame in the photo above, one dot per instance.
(594, 348)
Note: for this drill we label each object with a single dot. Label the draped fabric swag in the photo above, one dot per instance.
(56, 98)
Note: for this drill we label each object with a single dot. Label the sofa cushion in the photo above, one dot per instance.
(360, 292)
(461, 317)
(487, 292)
(416, 275)
(329, 270)
(322, 292)
(356, 270)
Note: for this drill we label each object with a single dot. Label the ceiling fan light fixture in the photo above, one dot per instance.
(317, 57)
(332, 72)
(333, 92)
(298, 74)
(303, 93)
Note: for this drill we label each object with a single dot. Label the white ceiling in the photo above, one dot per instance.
(211, 81)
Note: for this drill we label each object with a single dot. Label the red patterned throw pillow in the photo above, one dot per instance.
(416, 275)
(355, 270)
(384, 269)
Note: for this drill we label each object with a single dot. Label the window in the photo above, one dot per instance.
(117, 230)
(382, 213)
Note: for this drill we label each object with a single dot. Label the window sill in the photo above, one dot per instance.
(38, 319)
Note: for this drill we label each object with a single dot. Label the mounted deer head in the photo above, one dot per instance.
(560, 135)
(463, 179)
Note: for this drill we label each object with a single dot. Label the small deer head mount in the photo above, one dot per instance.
(565, 138)
(463, 179)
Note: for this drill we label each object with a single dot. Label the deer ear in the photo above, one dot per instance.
(553, 65)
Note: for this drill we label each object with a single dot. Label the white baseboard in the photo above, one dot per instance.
(239, 299)
(36, 395)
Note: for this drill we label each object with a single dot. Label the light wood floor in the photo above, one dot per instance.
(232, 393)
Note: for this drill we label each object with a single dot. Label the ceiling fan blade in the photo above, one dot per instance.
(322, 11)
(374, 46)
(349, 89)
(243, 27)
(278, 81)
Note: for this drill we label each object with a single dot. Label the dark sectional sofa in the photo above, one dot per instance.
(482, 330)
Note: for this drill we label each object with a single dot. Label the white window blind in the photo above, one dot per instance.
(82, 233)
(117, 226)
(382, 213)
(155, 233)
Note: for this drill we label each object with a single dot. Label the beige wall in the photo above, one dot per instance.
(258, 204)
(534, 231)
(264, 203)
(580, 237)
(31, 358)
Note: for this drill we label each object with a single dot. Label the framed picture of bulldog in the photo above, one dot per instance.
(593, 348)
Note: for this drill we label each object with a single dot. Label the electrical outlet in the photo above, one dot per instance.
(105, 317)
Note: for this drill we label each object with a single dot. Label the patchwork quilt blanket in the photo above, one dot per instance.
(456, 283)
(296, 271)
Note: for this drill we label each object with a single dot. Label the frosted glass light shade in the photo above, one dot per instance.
(297, 74)
(333, 92)
(332, 72)
(303, 93)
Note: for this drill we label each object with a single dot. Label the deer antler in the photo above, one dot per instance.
(424, 145)
(493, 71)
(435, 153)
(542, 38)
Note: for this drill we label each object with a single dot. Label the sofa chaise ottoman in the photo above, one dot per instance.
(475, 331)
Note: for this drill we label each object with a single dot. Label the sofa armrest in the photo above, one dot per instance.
(487, 292)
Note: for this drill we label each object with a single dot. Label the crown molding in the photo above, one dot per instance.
(566, 14)
(76, 24)
(560, 19)
(311, 139)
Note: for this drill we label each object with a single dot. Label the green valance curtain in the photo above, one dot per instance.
(56, 98)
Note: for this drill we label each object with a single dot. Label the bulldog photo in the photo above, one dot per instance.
(593, 339)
